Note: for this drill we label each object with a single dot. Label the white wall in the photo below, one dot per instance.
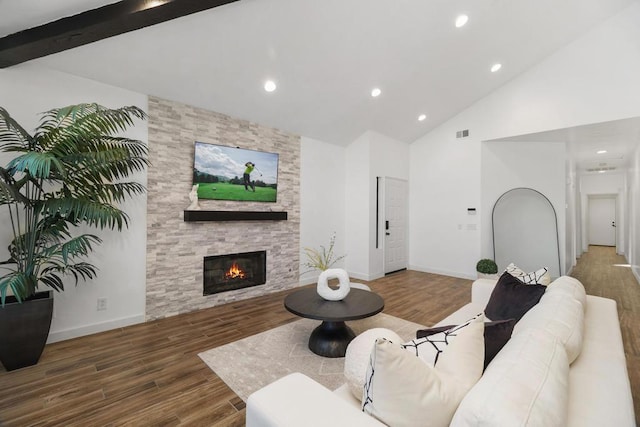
(369, 156)
(571, 216)
(322, 200)
(357, 212)
(536, 165)
(28, 90)
(389, 158)
(593, 79)
(444, 183)
(604, 184)
(633, 180)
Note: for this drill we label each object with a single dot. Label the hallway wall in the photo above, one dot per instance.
(575, 86)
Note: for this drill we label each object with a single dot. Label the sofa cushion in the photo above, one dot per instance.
(560, 315)
(429, 347)
(526, 385)
(600, 394)
(511, 298)
(292, 400)
(496, 335)
(465, 312)
(541, 276)
(402, 390)
(356, 359)
(569, 286)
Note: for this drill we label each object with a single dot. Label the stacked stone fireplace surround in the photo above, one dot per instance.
(175, 248)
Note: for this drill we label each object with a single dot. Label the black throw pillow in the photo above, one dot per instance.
(496, 335)
(511, 298)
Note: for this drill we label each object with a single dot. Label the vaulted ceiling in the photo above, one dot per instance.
(326, 57)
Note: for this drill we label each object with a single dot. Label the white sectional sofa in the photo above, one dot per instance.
(563, 366)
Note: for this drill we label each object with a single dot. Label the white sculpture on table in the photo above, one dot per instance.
(327, 292)
(193, 196)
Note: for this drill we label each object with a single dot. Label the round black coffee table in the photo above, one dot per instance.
(332, 337)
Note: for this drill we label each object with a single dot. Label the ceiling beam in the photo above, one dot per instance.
(93, 25)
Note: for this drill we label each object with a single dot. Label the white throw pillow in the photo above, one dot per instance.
(560, 315)
(429, 348)
(527, 384)
(356, 358)
(401, 390)
(540, 277)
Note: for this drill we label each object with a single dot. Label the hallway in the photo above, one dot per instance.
(606, 274)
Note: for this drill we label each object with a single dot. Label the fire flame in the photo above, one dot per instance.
(235, 272)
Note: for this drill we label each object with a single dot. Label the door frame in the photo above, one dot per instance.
(616, 215)
(622, 206)
(383, 216)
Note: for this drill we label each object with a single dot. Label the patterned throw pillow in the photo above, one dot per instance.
(496, 335)
(429, 348)
(400, 390)
(538, 277)
(356, 359)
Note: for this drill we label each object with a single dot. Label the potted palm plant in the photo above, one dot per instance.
(72, 171)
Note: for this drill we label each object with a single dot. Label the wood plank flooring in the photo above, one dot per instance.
(150, 374)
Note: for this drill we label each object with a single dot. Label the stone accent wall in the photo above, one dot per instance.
(175, 249)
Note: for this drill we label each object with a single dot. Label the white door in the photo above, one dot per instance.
(395, 221)
(602, 221)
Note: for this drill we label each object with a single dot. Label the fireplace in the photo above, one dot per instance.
(234, 271)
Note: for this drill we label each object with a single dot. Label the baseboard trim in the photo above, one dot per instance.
(68, 334)
(636, 273)
(441, 272)
(365, 277)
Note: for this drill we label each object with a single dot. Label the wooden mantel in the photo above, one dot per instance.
(201, 215)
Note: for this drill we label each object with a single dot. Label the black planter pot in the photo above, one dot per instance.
(24, 328)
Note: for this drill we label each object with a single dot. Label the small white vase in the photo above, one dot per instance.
(333, 294)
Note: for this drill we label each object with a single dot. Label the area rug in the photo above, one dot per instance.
(253, 362)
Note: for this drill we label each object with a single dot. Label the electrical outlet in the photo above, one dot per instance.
(102, 304)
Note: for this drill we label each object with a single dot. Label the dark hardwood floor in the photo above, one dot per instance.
(150, 374)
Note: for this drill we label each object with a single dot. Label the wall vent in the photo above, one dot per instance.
(462, 133)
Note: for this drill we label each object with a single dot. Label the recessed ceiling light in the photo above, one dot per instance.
(422, 117)
(155, 3)
(601, 151)
(376, 92)
(269, 85)
(495, 67)
(461, 20)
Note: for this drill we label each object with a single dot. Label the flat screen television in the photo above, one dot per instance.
(229, 173)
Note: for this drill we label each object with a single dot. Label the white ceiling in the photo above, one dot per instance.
(618, 137)
(326, 56)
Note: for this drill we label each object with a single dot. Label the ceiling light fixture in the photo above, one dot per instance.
(461, 21)
(601, 151)
(270, 86)
(422, 117)
(495, 67)
(376, 92)
(154, 3)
